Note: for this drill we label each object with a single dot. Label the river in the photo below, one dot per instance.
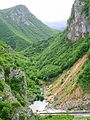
(46, 107)
(43, 106)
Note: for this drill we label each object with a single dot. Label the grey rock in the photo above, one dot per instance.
(79, 104)
(17, 73)
(16, 117)
(79, 26)
(2, 74)
(1, 98)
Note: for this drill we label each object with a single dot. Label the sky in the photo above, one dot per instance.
(45, 10)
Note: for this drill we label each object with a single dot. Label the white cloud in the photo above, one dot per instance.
(45, 10)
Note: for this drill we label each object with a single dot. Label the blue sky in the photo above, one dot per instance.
(45, 10)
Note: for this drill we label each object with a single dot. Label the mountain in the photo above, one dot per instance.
(22, 27)
(65, 62)
(17, 90)
(59, 25)
(61, 63)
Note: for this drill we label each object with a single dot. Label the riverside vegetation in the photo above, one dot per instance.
(60, 117)
(30, 53)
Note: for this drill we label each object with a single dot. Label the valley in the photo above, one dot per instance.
(42, 68)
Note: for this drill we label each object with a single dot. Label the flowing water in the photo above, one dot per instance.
(45, 107)
(38, 106)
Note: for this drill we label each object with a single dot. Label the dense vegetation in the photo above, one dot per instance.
(85, 9)
(83, 77)
(9, 58)
(59, 117)
(12, 39)
(40, 56)
(7, 109)
(61, 54)
(22, 27)
(36, 48)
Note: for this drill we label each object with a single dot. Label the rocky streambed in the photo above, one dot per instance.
(43, 106)
(39, 107)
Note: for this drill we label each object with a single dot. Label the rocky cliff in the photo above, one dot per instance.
(79, 21)
(13, 89)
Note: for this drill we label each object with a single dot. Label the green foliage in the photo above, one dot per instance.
(10, 58)
(60, 55)
(49, 71)
(84, 77)
(15, 104)
(21, 116)
(36, 48)
(20, 98)
(1, 85)
(40, 60)
(7, 36)
(18, 34)
(86, 9)
(6, 110)
(58, 117)
(16, 85)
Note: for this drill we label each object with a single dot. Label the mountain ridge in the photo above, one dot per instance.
(25, 25)
(55, 61)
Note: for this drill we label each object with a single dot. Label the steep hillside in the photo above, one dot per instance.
(17, 90)
(66, 92)
(21, 21)
(62, 61)
(8, 36)
(60, 55)
(65, 55)
(36, 48)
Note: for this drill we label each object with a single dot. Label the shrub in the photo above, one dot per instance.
(21, 116)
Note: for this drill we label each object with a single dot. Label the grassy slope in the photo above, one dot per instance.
(35, 30)
(12, 39)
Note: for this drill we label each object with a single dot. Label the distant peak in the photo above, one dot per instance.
(20, 6)
(17, 7)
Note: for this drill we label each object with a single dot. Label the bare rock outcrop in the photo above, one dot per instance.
(78, 23)
(17, 73)
(2, 74)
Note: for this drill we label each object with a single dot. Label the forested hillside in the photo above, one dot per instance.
(21, 28)
(31, 55)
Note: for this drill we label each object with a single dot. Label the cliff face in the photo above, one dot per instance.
(13, 89)
(78, 23)
(20, 76)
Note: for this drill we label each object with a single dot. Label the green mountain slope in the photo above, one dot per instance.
(12, 39)
(17, 90)
(61, 54)
(36, 48)
(68, 56)
(59, 62)
(24, 25)
(63, 61)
